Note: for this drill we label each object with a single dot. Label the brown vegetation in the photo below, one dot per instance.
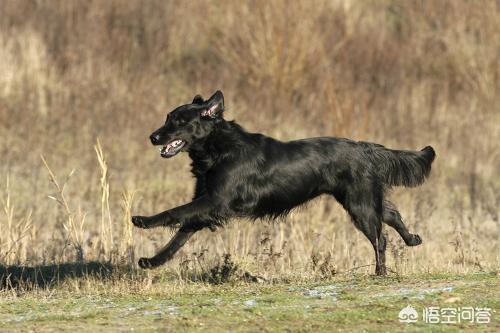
(83, 83)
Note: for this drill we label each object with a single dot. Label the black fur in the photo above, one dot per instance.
(241, 174)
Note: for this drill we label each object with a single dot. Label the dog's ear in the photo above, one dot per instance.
(198, 100)
(214, 106)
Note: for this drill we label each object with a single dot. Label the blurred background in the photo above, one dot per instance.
(84, 83)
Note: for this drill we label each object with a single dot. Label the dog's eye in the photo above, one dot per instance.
(181, 121)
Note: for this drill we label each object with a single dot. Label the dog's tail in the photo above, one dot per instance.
(403, 167)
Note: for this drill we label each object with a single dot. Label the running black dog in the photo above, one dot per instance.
(241, 174)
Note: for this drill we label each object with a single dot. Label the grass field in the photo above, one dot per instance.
(84, 83)
(349, 303)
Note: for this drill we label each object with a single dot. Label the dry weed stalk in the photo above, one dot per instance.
(106, 221)
(74, 221)
(16, 247)
(127, 240)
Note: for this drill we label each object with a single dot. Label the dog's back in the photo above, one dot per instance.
(263, 177)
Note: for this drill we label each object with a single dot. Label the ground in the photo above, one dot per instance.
(344, 304)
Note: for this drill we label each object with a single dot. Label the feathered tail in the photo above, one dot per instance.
(403, 167)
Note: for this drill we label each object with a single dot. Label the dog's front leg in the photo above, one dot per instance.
(168, 251)
(176, 216)
(180, 238)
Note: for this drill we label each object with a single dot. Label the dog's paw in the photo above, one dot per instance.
(145, 263)
(139, 222)
(380, 270)
(415, 240)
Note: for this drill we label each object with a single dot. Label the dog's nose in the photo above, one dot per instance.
(155, 139)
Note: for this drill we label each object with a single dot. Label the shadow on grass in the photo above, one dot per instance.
(43, 276)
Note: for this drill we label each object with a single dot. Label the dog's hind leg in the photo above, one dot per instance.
(392, 218)
(168, 251)
(369, 224)
(363, 201)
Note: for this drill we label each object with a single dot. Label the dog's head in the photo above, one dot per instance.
(188, 124)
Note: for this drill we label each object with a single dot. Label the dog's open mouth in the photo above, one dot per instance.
(172, 148)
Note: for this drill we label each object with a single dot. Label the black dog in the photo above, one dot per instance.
(241, 174)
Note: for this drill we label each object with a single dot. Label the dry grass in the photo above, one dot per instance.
(84, 83)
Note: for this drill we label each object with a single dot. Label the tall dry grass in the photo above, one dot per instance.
(83, 83)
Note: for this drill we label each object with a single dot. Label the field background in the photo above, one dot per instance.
(84, 83)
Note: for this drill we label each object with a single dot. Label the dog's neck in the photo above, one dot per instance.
(225, 140)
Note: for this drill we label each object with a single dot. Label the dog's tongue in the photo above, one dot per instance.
(172, 148)
(165, 149)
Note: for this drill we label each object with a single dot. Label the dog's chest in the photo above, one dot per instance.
(201, 163)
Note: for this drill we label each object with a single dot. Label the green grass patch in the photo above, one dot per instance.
(354, 304)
